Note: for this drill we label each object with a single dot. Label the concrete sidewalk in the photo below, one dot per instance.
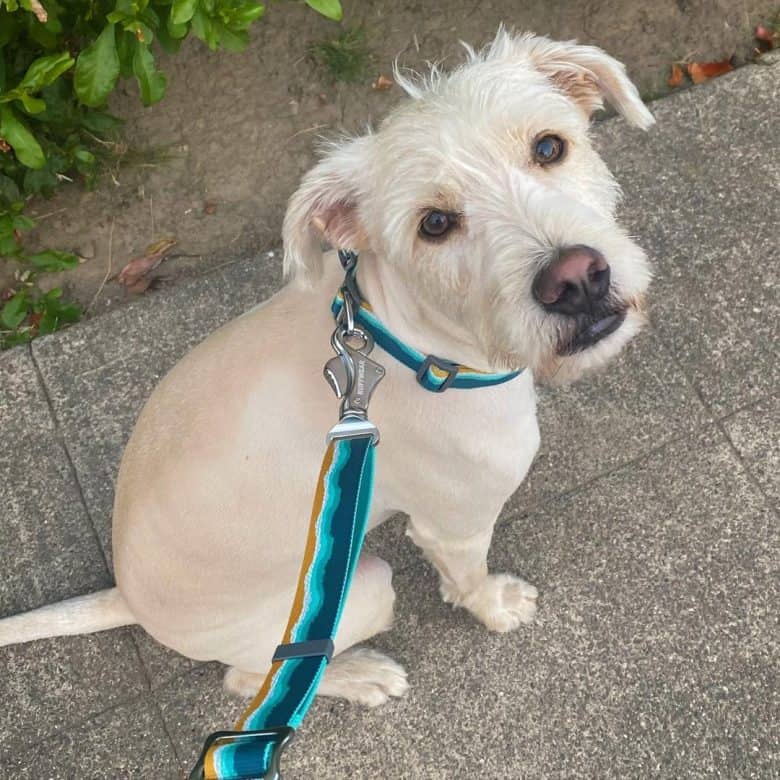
(649, 522)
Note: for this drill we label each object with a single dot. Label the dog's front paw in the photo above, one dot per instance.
(364, 676)
(502, 602)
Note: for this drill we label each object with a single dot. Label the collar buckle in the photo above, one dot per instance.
(450, 368)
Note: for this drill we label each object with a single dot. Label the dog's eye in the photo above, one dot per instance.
(548, 149)
(436, 223)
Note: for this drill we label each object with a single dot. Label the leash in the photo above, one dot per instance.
(337, 527)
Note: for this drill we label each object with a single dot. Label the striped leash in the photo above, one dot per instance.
(338, 523)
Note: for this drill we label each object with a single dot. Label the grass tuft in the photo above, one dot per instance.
(346, 58)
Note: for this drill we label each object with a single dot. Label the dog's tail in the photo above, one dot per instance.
(81, 615)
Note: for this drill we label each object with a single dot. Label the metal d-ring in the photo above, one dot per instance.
(338, 341)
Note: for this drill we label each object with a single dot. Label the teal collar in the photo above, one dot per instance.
(433, 373)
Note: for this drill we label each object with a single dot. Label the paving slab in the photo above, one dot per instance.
(52, 685)
(702, 190)
(123, 743)
(42, 516)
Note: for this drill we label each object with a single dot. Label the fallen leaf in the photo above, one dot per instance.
(161, 246)
(382, 83)
(139, 285)
(209, 207)
(703, 71)
(676, 77)
(139, 267)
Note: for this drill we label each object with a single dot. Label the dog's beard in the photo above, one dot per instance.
(566, 363)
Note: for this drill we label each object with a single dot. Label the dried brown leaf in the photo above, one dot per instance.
(139, 267)
(139, 285)
(703, 71)
(676, 77)
(382, 83)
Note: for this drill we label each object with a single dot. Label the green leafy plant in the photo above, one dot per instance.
(346, 57)
(59, 62)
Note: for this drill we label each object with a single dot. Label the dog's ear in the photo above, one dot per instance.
(588, 75)
(325, 209)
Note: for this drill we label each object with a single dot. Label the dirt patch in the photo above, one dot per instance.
(213, 164)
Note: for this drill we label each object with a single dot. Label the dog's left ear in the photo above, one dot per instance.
(589, 75)
(325, 209)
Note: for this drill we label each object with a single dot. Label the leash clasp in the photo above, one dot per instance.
(352, 374)
(281, 736)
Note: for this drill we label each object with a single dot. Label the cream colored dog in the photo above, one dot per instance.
(485, 225)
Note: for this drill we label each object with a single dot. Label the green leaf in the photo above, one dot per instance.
(139, 31)
(177, 31)
(9, 246)
(240, 17)
(20, 222)
(55, 314)
(45, 71)
(9, 26)
(150, 17)
(6, 225)
(125, 46)
(150, 80)
(100, 123)
(15, 132)
(204, 29)
(230, 40)
(171, 43)
(47, 36)
(15, 310)
(328, 8)
(97, 69)
(50, 260)
(43, 182)
(9, 190)
(16, 339)
(31, 104)
(84, 155)
(2, 72)
(182, 11)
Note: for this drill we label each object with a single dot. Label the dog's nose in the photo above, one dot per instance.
(574, 282)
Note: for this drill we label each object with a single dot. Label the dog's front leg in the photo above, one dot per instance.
(501, 601)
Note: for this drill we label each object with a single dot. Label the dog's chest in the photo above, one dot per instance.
(464, 448)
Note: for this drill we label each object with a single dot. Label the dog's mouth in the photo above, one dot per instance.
(590, 330)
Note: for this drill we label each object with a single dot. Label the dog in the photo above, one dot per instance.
(485, 226)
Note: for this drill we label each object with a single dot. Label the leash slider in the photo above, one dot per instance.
(307, 649)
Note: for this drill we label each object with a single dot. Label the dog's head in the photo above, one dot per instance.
(484, 194)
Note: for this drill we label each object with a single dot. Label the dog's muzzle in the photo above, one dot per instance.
(576, 286)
